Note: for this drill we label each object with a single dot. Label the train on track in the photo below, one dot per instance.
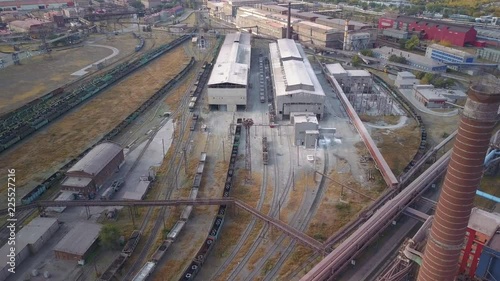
(127, 251)
(22, 122)
(199, 84)
(36, 192)
(195, 265)
(150, 266)
(141, 44)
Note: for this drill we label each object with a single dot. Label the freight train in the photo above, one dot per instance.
(193, 268)
(200, 83)
(36, 192)
(22, 122)
(127, 250)
(141, 44)
(150, 266)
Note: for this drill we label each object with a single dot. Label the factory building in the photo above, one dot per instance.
(318, 34)
(351, 81)
(436, 98)
(267, 24)
(341, 23)
(305, 127)
(456, 34)
(78, 242)
(29, 240)
(418, 61)
(93, 170)
(447, 54)
(489, 54)
(295, 84)
(216, 9)
(228, 82)
(481, 228)
(489, 261)
(406, 80)
(230, 7)
(28, 5)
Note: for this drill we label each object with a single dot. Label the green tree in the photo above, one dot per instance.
(427, 79)
(412, 43)
(138, 5)
(419, 74)
(397, 59)
(356, 60)
(109, 236)
(367, 52)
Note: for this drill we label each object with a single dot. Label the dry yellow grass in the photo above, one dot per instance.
(392, 142)
(68, 137)
(389, 119)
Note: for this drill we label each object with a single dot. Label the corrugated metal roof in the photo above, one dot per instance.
(79, 239)
(296, 76)
(484, 222)
(97, 158)
(302, 75)
(288, 49)
(233, 61)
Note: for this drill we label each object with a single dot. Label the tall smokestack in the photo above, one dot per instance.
(288, 25)
(462, 179)
(346, 29)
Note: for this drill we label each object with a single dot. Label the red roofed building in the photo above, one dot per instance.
(456, 34)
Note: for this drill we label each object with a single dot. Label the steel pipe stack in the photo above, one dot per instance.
(465, 170)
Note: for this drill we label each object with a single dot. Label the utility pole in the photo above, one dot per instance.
(223, 152)
(185, 160)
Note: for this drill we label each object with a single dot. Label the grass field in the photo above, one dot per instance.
(46, 151)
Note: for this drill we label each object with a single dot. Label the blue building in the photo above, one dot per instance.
(489, 261)
(446, 54)
(417, 61)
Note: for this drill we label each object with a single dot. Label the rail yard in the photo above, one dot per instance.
(183, 144)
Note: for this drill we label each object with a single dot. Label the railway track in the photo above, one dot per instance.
(303, 221)
(248, 229)
(277, 201)
(182, 112)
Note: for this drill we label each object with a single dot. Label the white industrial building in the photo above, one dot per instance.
(436, 98)
(228, 82)
(305, 127)
(352, 81)
(406, 80)
(296, 86)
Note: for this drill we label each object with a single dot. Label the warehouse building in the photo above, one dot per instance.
(318, 34)
(351, 81)
(418, 61)
(295, 84)
(94, 169)
(78, 242)
(406, 80)
(341, 23)
(29, 240)
(489, 54)
(447, 54)
(267, 23)
(228, 82)
(435, 98)
(428, 29)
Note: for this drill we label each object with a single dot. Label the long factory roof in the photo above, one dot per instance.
(94, 161)
(292, 72)
(79, 239)
(233, 62)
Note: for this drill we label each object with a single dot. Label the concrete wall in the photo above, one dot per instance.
(300, 131)
(299, 103)
(227, 96)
